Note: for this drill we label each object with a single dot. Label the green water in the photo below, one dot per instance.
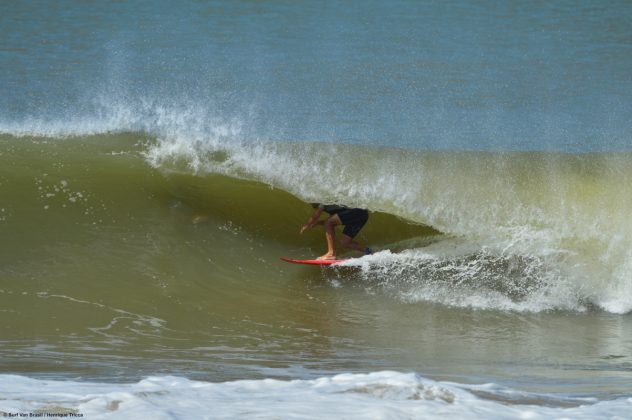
(114, 269)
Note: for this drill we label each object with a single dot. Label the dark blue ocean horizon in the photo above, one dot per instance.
(431, 75)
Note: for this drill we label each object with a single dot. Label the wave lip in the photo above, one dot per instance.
(378, 394)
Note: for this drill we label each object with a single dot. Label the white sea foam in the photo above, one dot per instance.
(460, 273)
(374, 395)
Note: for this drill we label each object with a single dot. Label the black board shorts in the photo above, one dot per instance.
(353, 220)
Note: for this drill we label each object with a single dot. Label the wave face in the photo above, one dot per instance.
(551, 226)
(517, 231)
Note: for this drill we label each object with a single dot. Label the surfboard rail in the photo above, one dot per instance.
(313, 262)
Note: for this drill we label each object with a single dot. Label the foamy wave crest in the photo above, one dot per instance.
(374, 395)
(194, 122)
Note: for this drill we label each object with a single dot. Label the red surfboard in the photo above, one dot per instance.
(313, 262)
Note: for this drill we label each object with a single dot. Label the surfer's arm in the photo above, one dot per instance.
(313, 220)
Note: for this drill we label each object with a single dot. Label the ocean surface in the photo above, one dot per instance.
(157, 158)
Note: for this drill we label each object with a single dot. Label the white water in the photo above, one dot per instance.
(387, 395)
(458, 274)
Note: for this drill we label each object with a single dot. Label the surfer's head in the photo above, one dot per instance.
(314, 205)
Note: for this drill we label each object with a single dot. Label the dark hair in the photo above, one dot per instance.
(314, 205)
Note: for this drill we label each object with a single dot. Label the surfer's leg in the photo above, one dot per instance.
(354, 220)
(348, 242)
(330, 234)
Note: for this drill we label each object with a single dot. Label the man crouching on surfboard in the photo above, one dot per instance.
(352, 219)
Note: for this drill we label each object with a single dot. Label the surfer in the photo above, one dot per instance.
(351, 218)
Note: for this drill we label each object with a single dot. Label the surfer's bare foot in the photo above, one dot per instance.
(327, 257)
